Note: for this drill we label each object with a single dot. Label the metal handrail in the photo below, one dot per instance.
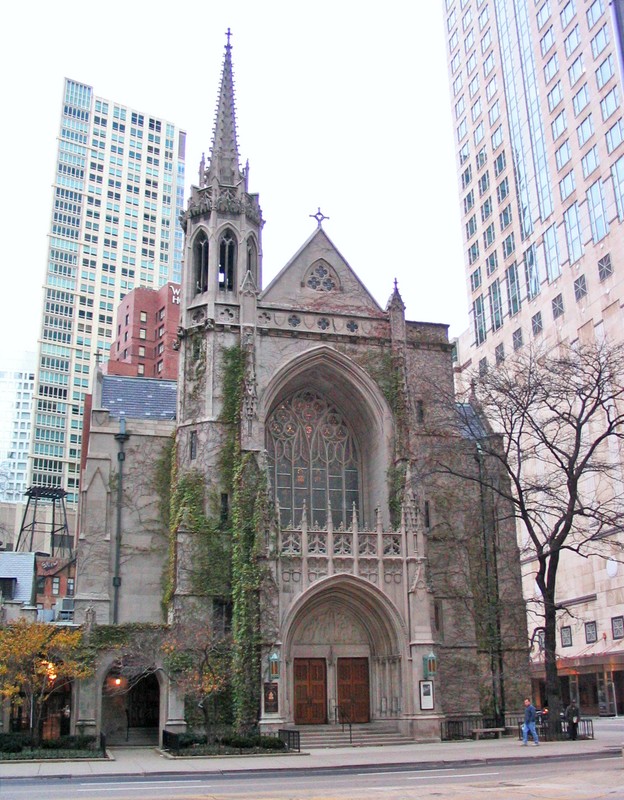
(343, 718)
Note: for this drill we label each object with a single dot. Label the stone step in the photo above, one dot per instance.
(134, 737)
(317, 736)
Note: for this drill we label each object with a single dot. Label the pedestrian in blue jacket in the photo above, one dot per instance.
(530, 715)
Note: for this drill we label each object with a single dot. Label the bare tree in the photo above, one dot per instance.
(557, 431)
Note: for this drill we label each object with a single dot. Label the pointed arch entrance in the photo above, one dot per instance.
(344, 646)
(131, 708)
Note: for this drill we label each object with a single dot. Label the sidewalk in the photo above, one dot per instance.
(149, 761)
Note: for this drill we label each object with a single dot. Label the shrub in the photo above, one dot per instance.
(11, 743)
(271, 743)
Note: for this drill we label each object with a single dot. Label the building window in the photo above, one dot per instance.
(559, 125)
(471, 227)
(142, 333)
(70, 587)
(159, 367)
(484, 183)
(466, 176)
(617, 627)
(597, 211)
(314, 459)
(505, 217)
(486, 209)
(502, 190)
(567, 14)
(536, 324)
(227, 261)
(483, 367)
(464, 153)
(543, 15)
(605, 71)
(600, 41)
(499, 163)
(617, 174)
(496, 304)
(555, 96)
(481, 158)
(605, 268)
(499, 353)
(609, 103)
(585, 130)
(573, 40)
(140, 369)
(551, 68)
(513, 290)
(563, 154)
(509, 245)
(200, 263)
(531, 271)
(478, 312)
(591, 632)
(594, 12)
(56, 586)
(580, 99)
(491, 263)
(576, 70)
(547, 40)
(590, 161)
(566, 636)
(567, 185)
(141, 351)
(473, 252)
(580, 288)
(557, 306)
(193, 445)
(475, 280)
(143, 316)
(573, 233)
(468, 201)
(489, 235)
(516, 338)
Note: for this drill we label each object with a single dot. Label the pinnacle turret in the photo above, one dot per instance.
(224, 163)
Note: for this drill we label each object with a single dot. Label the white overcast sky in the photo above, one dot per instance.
(341, 105)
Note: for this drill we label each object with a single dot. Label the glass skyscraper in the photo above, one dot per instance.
(118, 192)
(537, 97)
(538, 107)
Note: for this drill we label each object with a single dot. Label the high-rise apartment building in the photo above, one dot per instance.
(17, 376)
(118, 192)
(538, 107)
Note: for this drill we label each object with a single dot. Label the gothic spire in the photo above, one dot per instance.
(224, 163)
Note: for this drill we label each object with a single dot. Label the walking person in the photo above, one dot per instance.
(530, 716)
(572, 717)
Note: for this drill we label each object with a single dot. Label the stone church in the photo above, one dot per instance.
(392, 585)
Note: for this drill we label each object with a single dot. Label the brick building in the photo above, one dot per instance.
(147, 325)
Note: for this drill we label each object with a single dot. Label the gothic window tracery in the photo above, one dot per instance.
(321, 278)
(200, 263)
(227, 261)
(252, 257)
(315, 461)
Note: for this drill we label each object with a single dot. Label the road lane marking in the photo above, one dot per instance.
(466, 775)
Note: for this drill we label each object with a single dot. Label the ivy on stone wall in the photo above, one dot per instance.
(386, 368)
(249, 521)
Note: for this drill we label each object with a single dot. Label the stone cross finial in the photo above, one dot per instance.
(319, 217)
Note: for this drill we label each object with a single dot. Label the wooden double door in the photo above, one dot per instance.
(352, 690)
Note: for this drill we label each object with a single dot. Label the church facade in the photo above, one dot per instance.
(390, 586)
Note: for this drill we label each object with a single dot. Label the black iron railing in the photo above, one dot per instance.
(291, 738)
(343, 718)
(171, 742)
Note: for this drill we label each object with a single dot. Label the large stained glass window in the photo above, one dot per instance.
(314, 459)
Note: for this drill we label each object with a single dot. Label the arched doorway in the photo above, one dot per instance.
(130, 709)
(345, 652)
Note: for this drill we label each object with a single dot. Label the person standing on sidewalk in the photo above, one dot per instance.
(530, 715)
(572, 717)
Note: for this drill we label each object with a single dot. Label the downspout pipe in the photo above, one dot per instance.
(121, 438)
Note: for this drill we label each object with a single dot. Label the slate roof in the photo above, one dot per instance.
(470, 423)
(22, 567)
(139, 398)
